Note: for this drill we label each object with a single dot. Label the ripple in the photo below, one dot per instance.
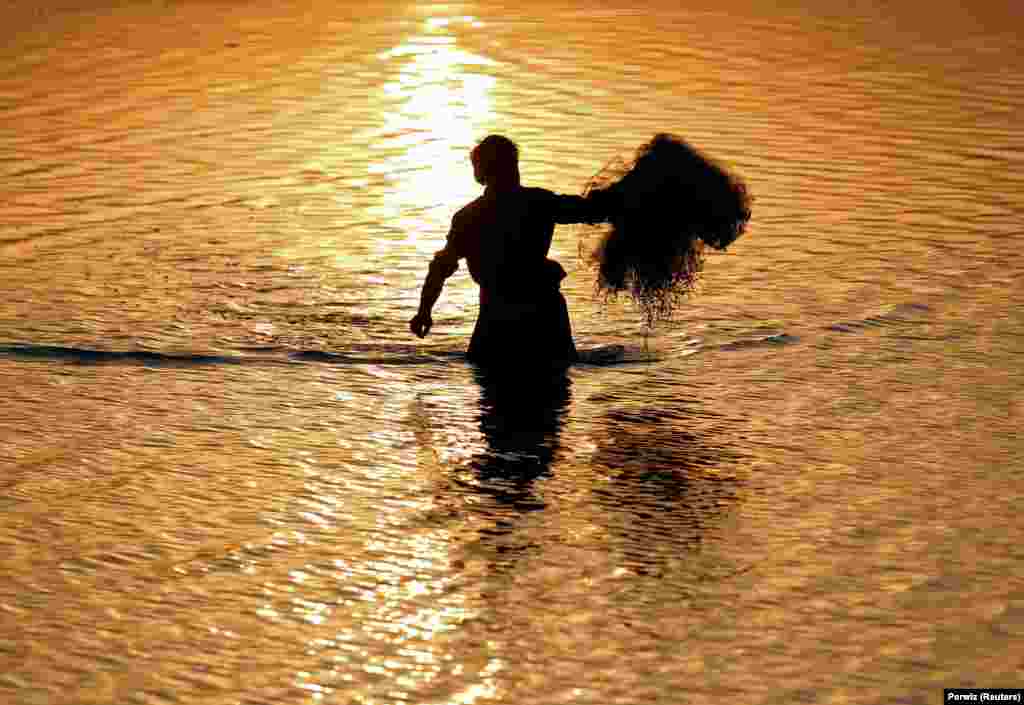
(231, 474)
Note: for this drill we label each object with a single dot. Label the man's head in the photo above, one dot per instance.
(496, 161)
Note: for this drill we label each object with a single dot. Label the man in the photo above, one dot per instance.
(505, 235)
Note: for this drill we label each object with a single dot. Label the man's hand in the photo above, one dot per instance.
(420, 324)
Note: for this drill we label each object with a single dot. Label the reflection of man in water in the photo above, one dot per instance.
(505, 235)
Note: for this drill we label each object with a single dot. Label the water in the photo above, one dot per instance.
(232, 476)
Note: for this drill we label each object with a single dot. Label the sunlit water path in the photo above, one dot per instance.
(230, 475)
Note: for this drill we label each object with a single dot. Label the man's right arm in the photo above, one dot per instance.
(443, 265)
(597, 206)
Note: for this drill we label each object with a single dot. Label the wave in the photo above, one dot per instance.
(88, 356)
(354, 355)
(395, 355)
(900, 316)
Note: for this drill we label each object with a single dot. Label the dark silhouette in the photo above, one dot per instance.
(521, 424)
(504, 236)
(673, 200)
(488, 496)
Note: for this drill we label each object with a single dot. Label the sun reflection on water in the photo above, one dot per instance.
(441, 104)
(394, 614)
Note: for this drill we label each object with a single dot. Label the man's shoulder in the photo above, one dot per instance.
(539, 200)
(469, 211)
(483, 204)
(539, 194)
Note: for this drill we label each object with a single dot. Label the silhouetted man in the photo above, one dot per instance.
(505, 235)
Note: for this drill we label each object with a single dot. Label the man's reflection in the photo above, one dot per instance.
(521, 420)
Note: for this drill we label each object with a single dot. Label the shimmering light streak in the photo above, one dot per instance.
(441, 104)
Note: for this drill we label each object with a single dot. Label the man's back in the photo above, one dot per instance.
(505, 237)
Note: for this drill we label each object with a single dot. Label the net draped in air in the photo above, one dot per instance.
(670, 201)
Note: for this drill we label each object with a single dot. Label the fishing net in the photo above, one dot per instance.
(665, 205)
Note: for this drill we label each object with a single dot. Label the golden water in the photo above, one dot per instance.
(230, 475)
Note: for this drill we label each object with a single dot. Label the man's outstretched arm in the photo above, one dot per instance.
(443, 265)
(597, 206)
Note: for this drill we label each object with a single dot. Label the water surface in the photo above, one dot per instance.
(232, 476)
